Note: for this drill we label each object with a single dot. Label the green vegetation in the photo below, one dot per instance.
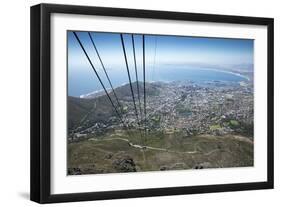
(214, 127)
(87, 112)
(183, 110)
(113, 152)
(182, 131)
(234, 123)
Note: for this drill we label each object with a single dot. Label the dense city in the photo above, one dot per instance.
(207, 117)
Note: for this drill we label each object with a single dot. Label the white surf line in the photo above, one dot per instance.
(85, 96)
(165, 81)
(229, 72)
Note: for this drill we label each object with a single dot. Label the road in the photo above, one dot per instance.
(144, 146)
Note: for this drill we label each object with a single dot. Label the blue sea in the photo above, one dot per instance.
(80, 83)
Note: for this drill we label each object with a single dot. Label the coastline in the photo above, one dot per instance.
(228, 72)
(87, 95)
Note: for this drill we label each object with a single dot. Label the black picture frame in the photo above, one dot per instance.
(41, 96)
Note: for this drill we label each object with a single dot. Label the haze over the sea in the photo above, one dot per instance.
(168, 58)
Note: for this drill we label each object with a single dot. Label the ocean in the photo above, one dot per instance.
(80, 83)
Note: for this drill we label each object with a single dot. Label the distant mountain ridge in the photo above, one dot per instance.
(123, 90)
(92, 109)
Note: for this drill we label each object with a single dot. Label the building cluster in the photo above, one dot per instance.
(191, 107)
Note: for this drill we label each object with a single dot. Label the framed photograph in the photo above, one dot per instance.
(133, 103)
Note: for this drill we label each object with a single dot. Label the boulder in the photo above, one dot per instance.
(124, 164)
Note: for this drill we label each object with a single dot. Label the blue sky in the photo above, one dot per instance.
(161, 51)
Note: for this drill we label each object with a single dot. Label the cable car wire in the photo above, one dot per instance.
(136, 72)
(129, 76)
(144, 89)
(116, 111)
(108, 79)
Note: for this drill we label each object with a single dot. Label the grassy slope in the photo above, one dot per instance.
(93, 110)
(211, 152)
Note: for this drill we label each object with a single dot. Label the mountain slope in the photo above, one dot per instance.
(85, 112)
